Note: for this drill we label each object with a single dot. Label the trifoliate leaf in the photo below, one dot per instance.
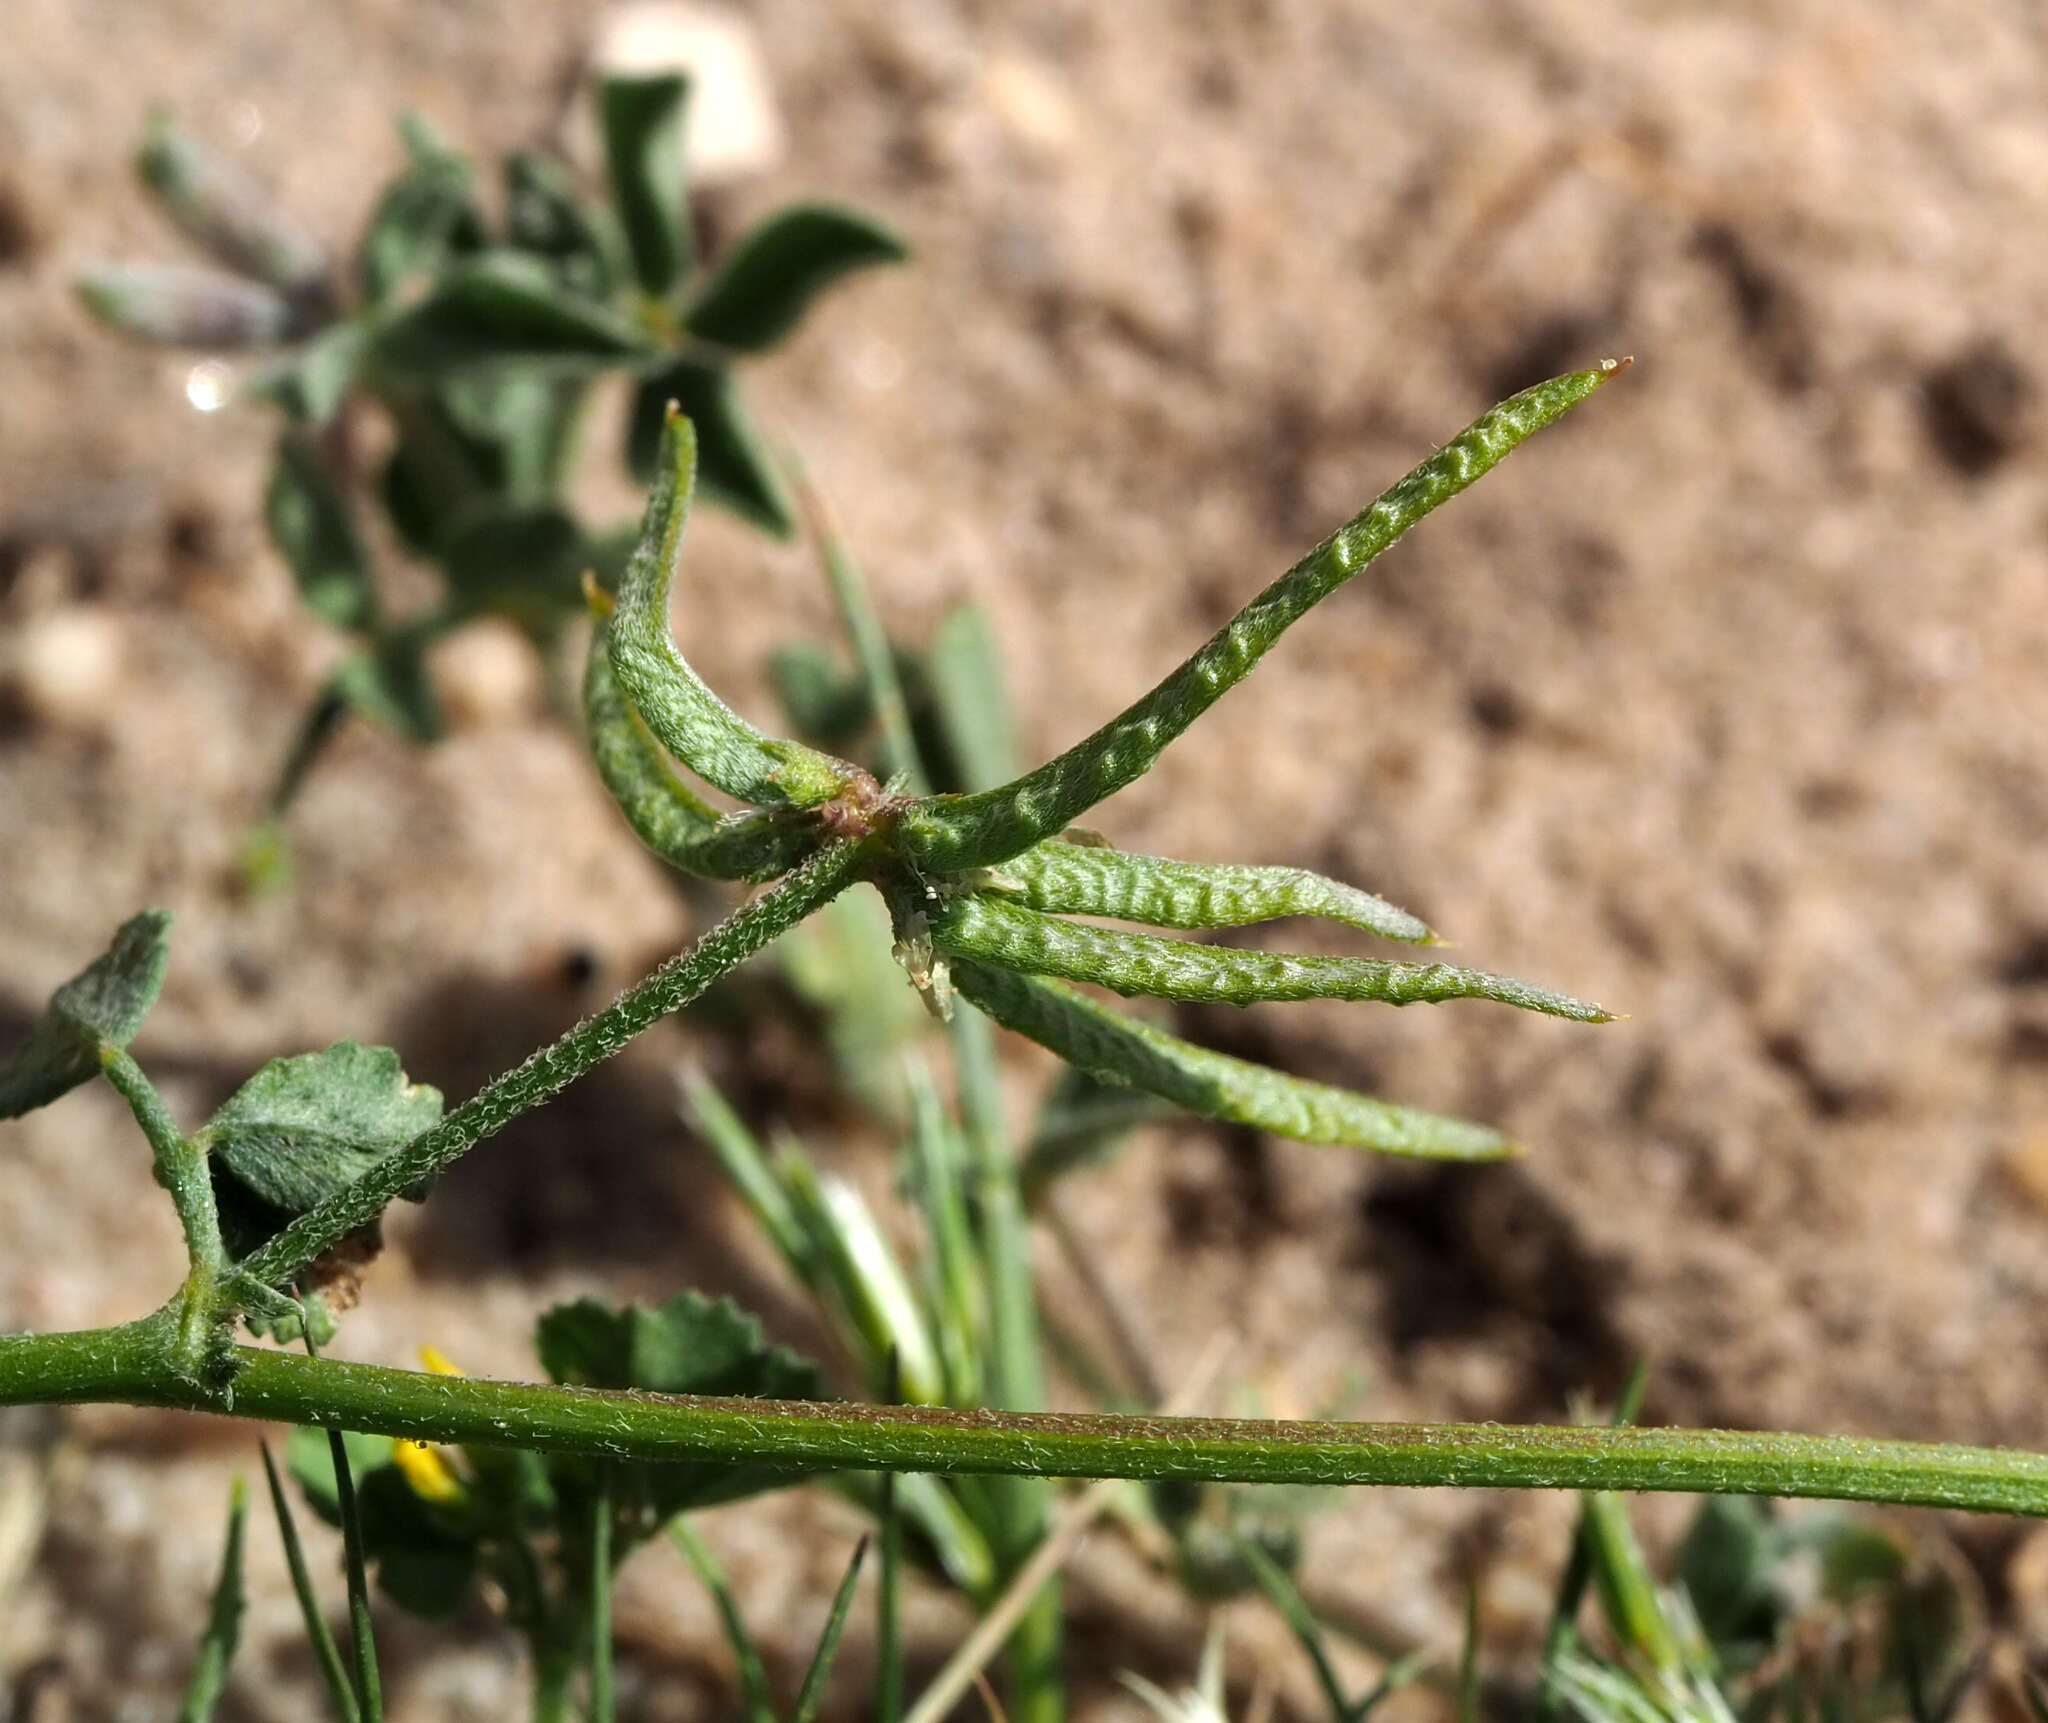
(303, 1127)
(761, 290)
(689, 1345)
(104, 1002)
(642, 122)
(312, 526)
(733, 464)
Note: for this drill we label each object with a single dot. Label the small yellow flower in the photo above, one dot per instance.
(427, 1468)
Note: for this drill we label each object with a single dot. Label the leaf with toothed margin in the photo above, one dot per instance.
(944, 834)
(982, 926)
(105, 1002)
(689, 1345)
(762, 288)
(1117, 1049)
(1081, 879)
(303, 1128)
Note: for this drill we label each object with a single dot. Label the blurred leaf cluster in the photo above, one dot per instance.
(476, 339)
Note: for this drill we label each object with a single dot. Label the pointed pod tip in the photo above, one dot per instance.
(1610, 368)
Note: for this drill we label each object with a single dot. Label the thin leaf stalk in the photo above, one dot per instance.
(669, 988)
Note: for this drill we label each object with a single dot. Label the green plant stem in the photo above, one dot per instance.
(180, 1162)
(1015, 1365)
(362, 1630)
(601, 1599)
(554, 1067)
(136, 1365)
(325, 1653)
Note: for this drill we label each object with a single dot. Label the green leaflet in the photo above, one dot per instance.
(642, 122)
(1108, 1045)
(943, 834)
(104, 1003)
(760, 292)
(690, 721)
(1081, 879)
(175, 305)
(226, 212)
(669, 817)
(977, 925)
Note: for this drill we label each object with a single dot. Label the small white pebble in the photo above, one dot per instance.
(487, 674)
(733, 128)
(66, 665)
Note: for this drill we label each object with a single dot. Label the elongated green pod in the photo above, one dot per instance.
(690, 721)
(946, 833)
(978, 925)
(669, 817)
(1108, 1045)
(1084, 879)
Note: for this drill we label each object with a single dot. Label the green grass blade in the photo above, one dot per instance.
(959, 1305)
(690, 721)
(864, 633)
(966, 671)
(889, 1608)
(223, 1622)
(600, 1603)
(1118, 1049)
(946, 833)
(812, 1693)
(1301, 1622)
(362, 1632)
(864, 1277)
(325, 1652)
(1084, 879)
(1468, 1658)
(668, 816)
(985, 927)
(754, 1694)
(746, 1168)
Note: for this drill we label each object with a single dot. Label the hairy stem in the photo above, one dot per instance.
(135, 1365)
(554, 1067)
(180, 1163)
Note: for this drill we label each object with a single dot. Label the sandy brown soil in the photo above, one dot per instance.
(1722, 704)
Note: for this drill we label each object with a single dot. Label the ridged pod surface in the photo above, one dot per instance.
(990, 930)
(1085, 879)
(944, 834)
(1115, 1048)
